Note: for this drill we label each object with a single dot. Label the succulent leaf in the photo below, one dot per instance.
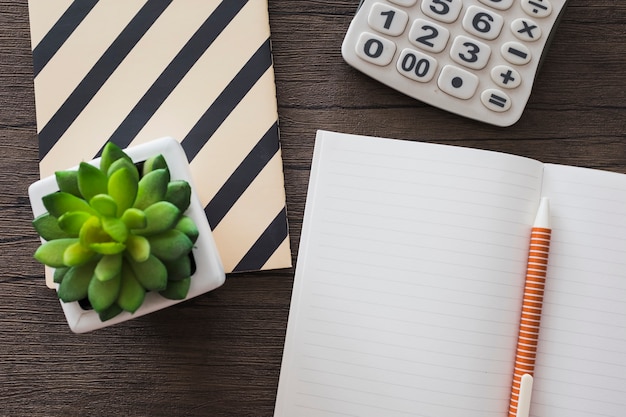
(132, 293)
(152, 188)
(115, 228)
(111, 153)
(51, 253)
(138, 247)
(170, 245)
(134, 218)
(48, 227)
(107, 248)
(151, 274)
(58, 275)
(92, 232)
(110, 312)
(188, 227)
(76, 254)
(123, 163)
(177, 290)
(91, 181)
(160, 217)
(179, 268)
(108, 267)
(76, 282)
(123, 189)
(93, 236)
(104, 204)
(102, 294)
(153, 163)
(179, 194)
(73, 221)
(68, 182)
(61, 202)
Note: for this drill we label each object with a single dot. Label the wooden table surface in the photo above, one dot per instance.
(219, 354)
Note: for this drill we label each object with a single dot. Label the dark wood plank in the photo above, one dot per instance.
(219, 354)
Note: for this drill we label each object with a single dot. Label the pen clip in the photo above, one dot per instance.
(525, 391)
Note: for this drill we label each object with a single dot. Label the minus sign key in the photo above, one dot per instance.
(516, 53)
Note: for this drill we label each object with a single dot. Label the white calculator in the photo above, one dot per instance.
(475, 58)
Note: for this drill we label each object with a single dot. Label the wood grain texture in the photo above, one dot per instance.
(219, 355)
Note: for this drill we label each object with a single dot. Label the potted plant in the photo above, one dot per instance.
(124, 235)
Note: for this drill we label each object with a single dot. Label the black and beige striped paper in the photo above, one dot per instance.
(131, 71)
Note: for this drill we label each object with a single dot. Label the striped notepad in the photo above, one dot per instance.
(197, 70)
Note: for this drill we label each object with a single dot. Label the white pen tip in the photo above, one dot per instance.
(525, 391)
(543, 214)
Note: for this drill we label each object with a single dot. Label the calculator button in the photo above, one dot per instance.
(375, 49)
(405, 3)
(498, 4)
(516, 53)
(482, 23)
(457, 82)
(495, 100)
(526, 30)
(416, 65)
(446, 11)
(470, 52)
(388, 20)
(537, 8)
(506, 77)
(428, 35)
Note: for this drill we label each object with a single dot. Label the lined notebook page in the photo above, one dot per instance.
(409, 280)
(581, 362)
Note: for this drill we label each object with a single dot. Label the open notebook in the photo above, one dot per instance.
(409, 283)
(200, 71)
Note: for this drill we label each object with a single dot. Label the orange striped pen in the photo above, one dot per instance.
(523, 372)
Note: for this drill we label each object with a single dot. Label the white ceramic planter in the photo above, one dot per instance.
(209, 272)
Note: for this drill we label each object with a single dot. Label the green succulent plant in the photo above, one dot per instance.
(115, 232)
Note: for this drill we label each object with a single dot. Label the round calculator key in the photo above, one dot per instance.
(405, 3)
(416, 65)
(526, 30)
(482, 23)
(470, 52)
(444, 11)
(537, 8)
(388, 20)
(428, 36)
(516, 53)
(495, 100)
(498, 4)
(375, 49)
(457, 82)
(506, 77)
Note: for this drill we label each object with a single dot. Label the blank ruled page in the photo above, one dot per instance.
(581, 358)
(409, 278)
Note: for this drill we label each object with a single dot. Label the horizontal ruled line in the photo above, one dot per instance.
(400, 372)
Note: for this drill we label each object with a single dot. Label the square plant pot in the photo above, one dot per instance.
(209, 272)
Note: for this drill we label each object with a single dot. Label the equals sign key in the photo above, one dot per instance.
(539, 8)
(495, 100)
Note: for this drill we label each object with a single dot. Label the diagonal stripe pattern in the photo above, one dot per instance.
(62, 29)
(197, 70)
(99, 74)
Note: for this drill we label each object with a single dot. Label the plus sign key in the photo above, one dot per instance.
(505, 76)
